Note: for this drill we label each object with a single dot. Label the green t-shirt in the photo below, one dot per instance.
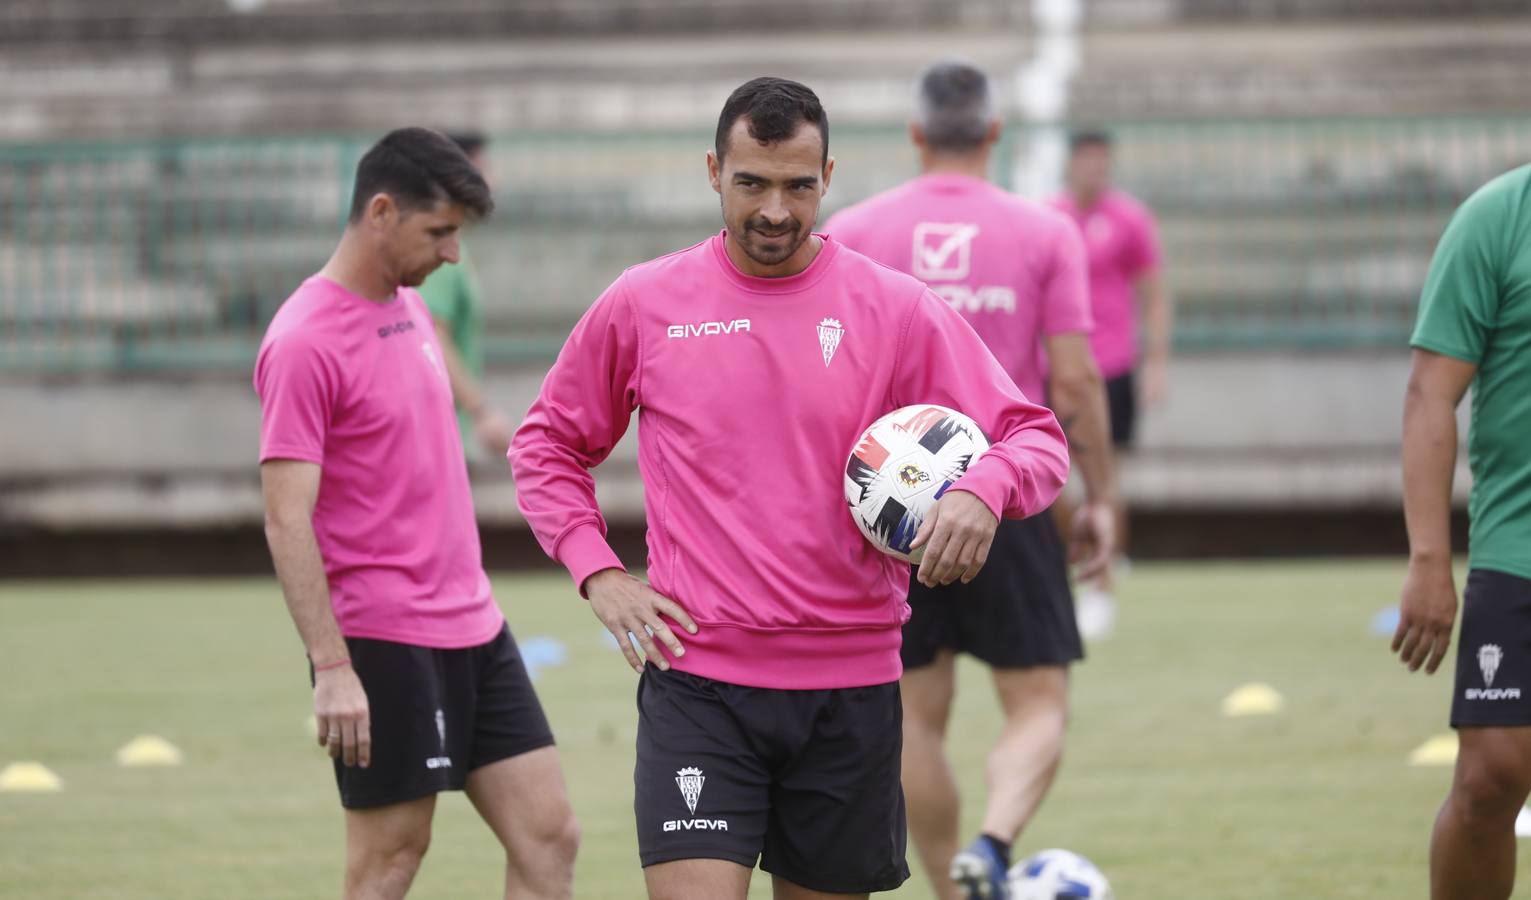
(1476, 307)
(452, 295)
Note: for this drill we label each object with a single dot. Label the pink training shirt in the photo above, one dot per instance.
(1014, 269)
(751, 393)
(1121, 240)
(359, 388)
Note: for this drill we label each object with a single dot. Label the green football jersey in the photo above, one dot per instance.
(1476, 307)
(452, 294)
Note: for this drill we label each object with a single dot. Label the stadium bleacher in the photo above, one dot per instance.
(170, 168)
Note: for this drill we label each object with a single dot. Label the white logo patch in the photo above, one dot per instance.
(831, 332)
(430, 354)
(1489, 656)
(988, 298)
(690, 782)
(943, 251)
(705, 329)
(443, 761)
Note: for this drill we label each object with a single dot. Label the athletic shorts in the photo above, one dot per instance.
(1493, 686)
(1122, 404)
(1018, 612)
(806, 781)
(438, 715)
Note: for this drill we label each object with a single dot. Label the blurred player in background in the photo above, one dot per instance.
(1015, 270)
(1474, 329)
(454, 297)
(418, 685)
(1122, 242)
(756, 358)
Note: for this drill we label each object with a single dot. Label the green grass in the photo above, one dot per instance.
(1169, 798)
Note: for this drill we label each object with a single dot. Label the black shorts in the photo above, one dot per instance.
(1122, 403)
(438, 715)
(1018, 612)
(1493, 686)
(808, 781)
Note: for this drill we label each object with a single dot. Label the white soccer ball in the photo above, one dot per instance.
(1057, 875)
(900, 467)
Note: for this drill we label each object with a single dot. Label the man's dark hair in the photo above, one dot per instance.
(953, 107)
(469, 142)
(419, 168)
(1089, 137)
(775, 108)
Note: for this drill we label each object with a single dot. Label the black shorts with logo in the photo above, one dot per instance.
(805, 780)
(1122, 404)
(1493, 686)
(438, 715)
(1018, 612)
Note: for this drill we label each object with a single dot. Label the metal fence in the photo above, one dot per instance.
(172, 256)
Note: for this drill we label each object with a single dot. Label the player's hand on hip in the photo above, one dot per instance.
(628, 606)
(956, 536)
(1092, 540)
(344, 718)
(1427, 609)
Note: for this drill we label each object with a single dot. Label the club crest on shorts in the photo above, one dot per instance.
(690, 781)
(1489, 656)
(830, 334)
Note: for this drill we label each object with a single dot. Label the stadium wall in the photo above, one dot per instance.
(169, 171)
(1254, 453)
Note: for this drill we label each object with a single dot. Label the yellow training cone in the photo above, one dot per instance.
(30, 777)
(1440, 750)
(1252, 700)
(148, 750)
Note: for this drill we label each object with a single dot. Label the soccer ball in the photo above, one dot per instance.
(900, 467)
(1057, 875)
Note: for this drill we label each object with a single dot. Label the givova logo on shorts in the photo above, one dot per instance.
(1489, 658)
(443, 761)
(690, 781)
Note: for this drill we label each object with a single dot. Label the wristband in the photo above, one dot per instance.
(344, 661)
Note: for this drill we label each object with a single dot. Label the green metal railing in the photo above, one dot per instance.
(172, 256)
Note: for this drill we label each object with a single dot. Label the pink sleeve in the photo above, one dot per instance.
(298, 390)
(1066, 290)
(942, 360)
(1142, 250)
(581, 413)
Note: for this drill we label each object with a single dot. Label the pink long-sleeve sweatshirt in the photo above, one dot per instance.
(751, 392)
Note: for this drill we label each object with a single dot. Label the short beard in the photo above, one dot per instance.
(773, 257)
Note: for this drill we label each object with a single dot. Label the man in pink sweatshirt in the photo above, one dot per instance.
(772, 732)
(1016, 272)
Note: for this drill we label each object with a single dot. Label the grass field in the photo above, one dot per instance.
(1172, 800)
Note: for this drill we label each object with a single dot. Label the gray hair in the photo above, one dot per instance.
(953, 106)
